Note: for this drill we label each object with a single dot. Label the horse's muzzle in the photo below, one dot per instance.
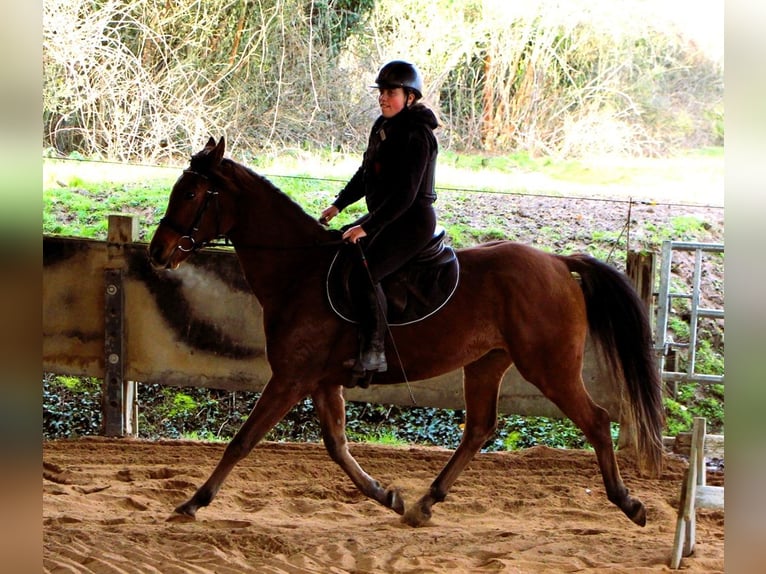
(161, 258)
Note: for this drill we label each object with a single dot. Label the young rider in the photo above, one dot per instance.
(396, 179)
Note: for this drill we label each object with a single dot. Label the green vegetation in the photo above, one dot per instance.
(695, 401)
(72, 408)
(709, 360)
(679, 327)
(461, 235)
(678, 417)
(389, 438)
(509, 163)
(152, 80)
(682, 228)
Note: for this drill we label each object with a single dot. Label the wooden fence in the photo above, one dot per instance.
(108, 314)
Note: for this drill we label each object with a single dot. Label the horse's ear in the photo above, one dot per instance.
(216, 155)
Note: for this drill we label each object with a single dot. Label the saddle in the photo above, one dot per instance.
(414, 292)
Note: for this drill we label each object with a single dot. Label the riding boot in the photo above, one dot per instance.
(373, 328)
(373, 355)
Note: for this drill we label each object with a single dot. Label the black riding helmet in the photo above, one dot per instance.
(400, 74)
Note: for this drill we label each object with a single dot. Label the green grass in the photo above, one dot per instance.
(205, 435)
(579, 172)
(695, 401)
(385, 437)
(499, 163)
(81, 208)
(679, 327)
(687, 227)
(78, 196)
(707, 359)
(461, 235)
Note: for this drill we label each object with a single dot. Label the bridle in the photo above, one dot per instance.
(186, 242)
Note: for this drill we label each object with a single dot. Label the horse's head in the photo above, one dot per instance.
(193, 215)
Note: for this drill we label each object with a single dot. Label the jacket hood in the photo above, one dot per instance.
(417, 113)
(420, 113)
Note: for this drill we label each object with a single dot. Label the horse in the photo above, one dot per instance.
(514, 305)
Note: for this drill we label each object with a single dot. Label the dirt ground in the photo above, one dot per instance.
(287, 508)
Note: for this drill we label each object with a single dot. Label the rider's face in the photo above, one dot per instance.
(391, 101)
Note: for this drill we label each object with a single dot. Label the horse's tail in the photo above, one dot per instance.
(619, 326)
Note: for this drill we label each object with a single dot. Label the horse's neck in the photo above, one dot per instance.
(279, 245)
(268, 217)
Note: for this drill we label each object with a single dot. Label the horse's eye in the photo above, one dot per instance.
(190, 194)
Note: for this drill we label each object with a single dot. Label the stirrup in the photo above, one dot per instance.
(359, 376)
(364, 367)
(372, 361)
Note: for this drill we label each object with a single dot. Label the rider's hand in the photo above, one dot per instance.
(354, 234)
(328, 214)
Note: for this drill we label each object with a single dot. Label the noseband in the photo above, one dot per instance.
(186, 242)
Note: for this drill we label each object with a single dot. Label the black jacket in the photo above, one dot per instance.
(397, 171)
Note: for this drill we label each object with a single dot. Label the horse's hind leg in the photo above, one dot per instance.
(481, 384)
(575, 402)
(274, 403)
(331, 411)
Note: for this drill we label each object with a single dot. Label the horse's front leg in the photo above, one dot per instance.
(481, 384)
(275, 402)
(330, 408)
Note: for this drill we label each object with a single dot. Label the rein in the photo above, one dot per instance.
(187, 243)
(315, 245)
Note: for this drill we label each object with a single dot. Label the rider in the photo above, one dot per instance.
(396, 179)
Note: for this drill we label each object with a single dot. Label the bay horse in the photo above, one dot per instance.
(514, 304)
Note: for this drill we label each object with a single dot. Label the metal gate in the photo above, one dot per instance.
(667, 294)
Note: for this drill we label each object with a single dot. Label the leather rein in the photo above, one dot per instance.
(187, 243)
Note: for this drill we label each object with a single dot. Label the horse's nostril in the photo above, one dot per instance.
(155, 256)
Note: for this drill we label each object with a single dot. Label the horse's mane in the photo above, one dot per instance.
(247, 180)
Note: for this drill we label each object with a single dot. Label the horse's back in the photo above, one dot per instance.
(510, 258)
(521, 286)
(530, 299)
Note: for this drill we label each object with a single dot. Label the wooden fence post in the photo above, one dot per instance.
(119, 395)
(640, 268)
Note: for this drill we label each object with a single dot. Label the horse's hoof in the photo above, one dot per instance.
(639, 514)
(416, 516)
(185, 510)
(395, 501)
